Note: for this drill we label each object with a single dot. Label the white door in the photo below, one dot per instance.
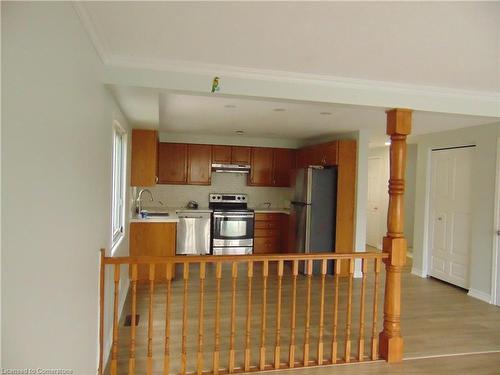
(373, 219)
(450, 215)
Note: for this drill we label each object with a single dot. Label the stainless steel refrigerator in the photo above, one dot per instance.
(313, 211)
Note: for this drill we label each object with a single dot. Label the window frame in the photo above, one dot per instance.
(118, 185)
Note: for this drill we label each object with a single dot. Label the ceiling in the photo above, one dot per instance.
(453, 47)
(441, 44)
(224, 115)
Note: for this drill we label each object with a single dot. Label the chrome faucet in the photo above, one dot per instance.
(139, 199)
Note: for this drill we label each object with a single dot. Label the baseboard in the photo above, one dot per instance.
(485, 297)
(418, 272)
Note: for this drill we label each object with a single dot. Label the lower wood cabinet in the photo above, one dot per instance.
(152, 239)
(270, 233)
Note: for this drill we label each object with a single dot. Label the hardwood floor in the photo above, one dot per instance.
(473, 364)
(437, 319)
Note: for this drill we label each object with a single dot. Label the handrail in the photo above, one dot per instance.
(240, 258)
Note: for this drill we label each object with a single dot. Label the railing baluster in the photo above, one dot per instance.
(201, 317)
(291, 352)
(338, 269)
(347, 354)
(218, 275)
(234, 275)
(102, 287)
(168, 299)
(131, 362)
(249, 317)
(262, 357)
(307, 328)
(351, 304)
(114, 347)
(378, 265)
(149, 361)
(324, 265)
(277, 360)
(185, 276)
(361, 342)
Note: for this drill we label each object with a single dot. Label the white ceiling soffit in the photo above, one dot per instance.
(429, 56)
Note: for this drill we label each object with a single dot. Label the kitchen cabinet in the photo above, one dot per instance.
(240, 155)
(185, 164)
(144, 158)
(221, 154)
(346, 196)
(270, 233)
(261, 167)
(172, 163)
(199, 164)
(325, 154)
(282, 166)
(231, 154)
(270, 166)
(152, 239)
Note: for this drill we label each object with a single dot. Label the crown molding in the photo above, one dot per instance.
(327, 88)
(190, 67)
(89, 27)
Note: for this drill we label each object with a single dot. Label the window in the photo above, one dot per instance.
(119, 168)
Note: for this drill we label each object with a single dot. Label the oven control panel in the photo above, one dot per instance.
(228, 198)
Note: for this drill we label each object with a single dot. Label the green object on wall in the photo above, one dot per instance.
(215, 84)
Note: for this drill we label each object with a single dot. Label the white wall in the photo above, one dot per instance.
(56, 187)
(229, 140)
(411, 164)
(179, 195)
(483, 196)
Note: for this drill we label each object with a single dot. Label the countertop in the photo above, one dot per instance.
(173, 218)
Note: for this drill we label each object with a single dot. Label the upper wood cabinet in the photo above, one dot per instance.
(325, 154)
(172, 163)
(199, 164)
(181, 163)
(144, 160)
(221, 154)
(231, 154)
(240, 155)
(270, 166)
(282, 166)
(261, 167)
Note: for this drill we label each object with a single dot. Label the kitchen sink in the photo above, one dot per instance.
(146, 214)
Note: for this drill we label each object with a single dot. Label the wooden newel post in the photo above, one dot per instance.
(391, 342)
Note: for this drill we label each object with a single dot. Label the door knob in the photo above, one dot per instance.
(498, 232)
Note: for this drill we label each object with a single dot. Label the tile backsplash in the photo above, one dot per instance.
(180, 195)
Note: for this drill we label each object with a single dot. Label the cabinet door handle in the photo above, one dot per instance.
(156, 179)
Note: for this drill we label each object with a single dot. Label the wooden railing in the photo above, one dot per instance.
(301, 303)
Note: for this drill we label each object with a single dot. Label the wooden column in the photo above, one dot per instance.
(391, 342)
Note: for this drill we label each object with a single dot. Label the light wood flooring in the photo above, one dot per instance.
(437, 319)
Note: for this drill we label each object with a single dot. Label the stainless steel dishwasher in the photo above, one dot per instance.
(193, 233)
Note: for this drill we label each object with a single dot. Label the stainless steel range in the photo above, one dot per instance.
(232, 224)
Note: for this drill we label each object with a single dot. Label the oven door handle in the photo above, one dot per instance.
(233, 216)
